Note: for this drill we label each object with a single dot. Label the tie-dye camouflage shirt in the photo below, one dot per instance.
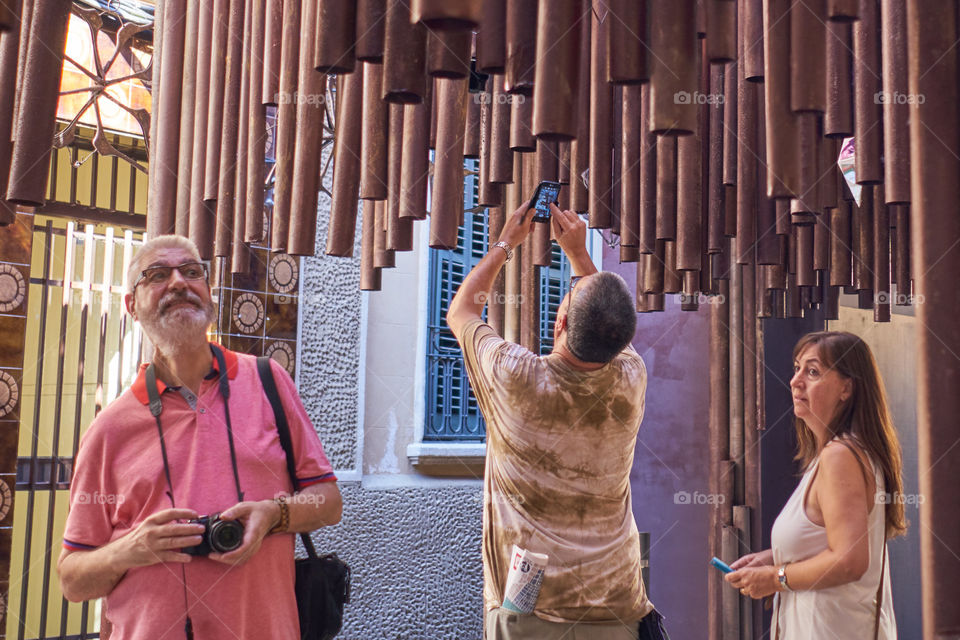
(560, 448)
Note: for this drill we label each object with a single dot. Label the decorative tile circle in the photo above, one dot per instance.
(6, 500)
(13, 288)
(9, 393)
(283, 273)
(283, 354)
(247, 313)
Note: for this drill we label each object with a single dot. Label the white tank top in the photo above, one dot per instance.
(846, 611)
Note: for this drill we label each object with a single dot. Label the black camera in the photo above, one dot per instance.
(219, 535)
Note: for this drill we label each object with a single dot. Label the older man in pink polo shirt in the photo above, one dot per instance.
(140, 479)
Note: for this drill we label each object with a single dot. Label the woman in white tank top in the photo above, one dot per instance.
(828, 561)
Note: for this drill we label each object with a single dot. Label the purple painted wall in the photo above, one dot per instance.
(670, 468)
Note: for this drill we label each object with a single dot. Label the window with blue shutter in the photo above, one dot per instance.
(451, 408)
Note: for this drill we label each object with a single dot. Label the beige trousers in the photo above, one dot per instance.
(506, 625)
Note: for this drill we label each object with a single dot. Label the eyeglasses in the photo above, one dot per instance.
(160, 274)
(574, 280)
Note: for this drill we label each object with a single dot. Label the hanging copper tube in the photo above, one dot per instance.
(26, 13)
(162, 192)
(511, 273)
(601, 132)
(373, 142)
(729, 212)
(229, 132)
(219, 74)
(751, 26)
(616, 158)
(806, 276)
(673, 67)
(838, 118)
(346, 166)
(447, 194)
(691, 285)
(747, 153)
(627, 41)
(272, 51)
(730, 75)
(630, 145)
(782, 159)
(715, 205)
(383, 258)
(335, 33)
(257, 136)
(188, 100)
(501, 158)
(490, 194)
(415, 161)
(34, 126)
(841, 273)
(689, 193)
(445, 15)
(9, 50)
(655, 269)
(721, 30)
(240, 257)
(306, 158)
(530, 299)
(862, 228)
(806, 204)
(471, 130)
(768, 243)
(753, 371)
(287, 126)
(557, 80)
(495, 304)
(666, 188)
(719, 429)
(672, 281)
(868, 125)
(563, 166)
(829, 174)
(648, 176)
(521, 123)
(399, 229)
(808, 63)
(370, 22)
(843, 10)
(896, 135)
(201, 222)
(821, 241)
(404, 56)
(881, 256)
(448, 53)
(369, 274)
(521, 39)
(491, 37)
(735, 473)
(901, 213)
(782, 223)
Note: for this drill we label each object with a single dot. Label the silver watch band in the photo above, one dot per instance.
(506, 249)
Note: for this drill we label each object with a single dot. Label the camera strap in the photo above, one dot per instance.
(156, 408)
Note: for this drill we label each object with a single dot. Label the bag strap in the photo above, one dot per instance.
(883, 568)
(283, 429)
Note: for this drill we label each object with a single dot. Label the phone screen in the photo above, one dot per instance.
(546, 194)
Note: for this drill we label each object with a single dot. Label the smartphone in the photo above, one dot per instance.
(721, 565)
(546, 193)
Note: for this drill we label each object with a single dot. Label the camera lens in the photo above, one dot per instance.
(226, 535)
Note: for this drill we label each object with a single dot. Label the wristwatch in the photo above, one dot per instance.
(782, 577)
(506, 248)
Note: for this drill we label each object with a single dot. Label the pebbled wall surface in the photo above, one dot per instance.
(329, 344)
(414, 554)
(414, 551)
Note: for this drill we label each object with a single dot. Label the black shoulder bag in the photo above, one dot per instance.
(322, 582)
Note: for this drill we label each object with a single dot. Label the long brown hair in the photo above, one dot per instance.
(864, 417)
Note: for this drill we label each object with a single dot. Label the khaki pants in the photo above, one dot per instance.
(506, 625)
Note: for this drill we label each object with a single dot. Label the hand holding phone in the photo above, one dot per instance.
(545, 195)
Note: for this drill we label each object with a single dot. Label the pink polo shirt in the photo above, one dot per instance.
(119, 481)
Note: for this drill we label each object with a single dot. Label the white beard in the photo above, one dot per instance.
(172, 331)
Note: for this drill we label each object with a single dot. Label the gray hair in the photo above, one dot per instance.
(149, 247)
(601, 319)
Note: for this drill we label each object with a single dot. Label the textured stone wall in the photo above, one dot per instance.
(329, 345)
(415, 557)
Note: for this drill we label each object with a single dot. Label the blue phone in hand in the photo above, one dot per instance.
(721, 565)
